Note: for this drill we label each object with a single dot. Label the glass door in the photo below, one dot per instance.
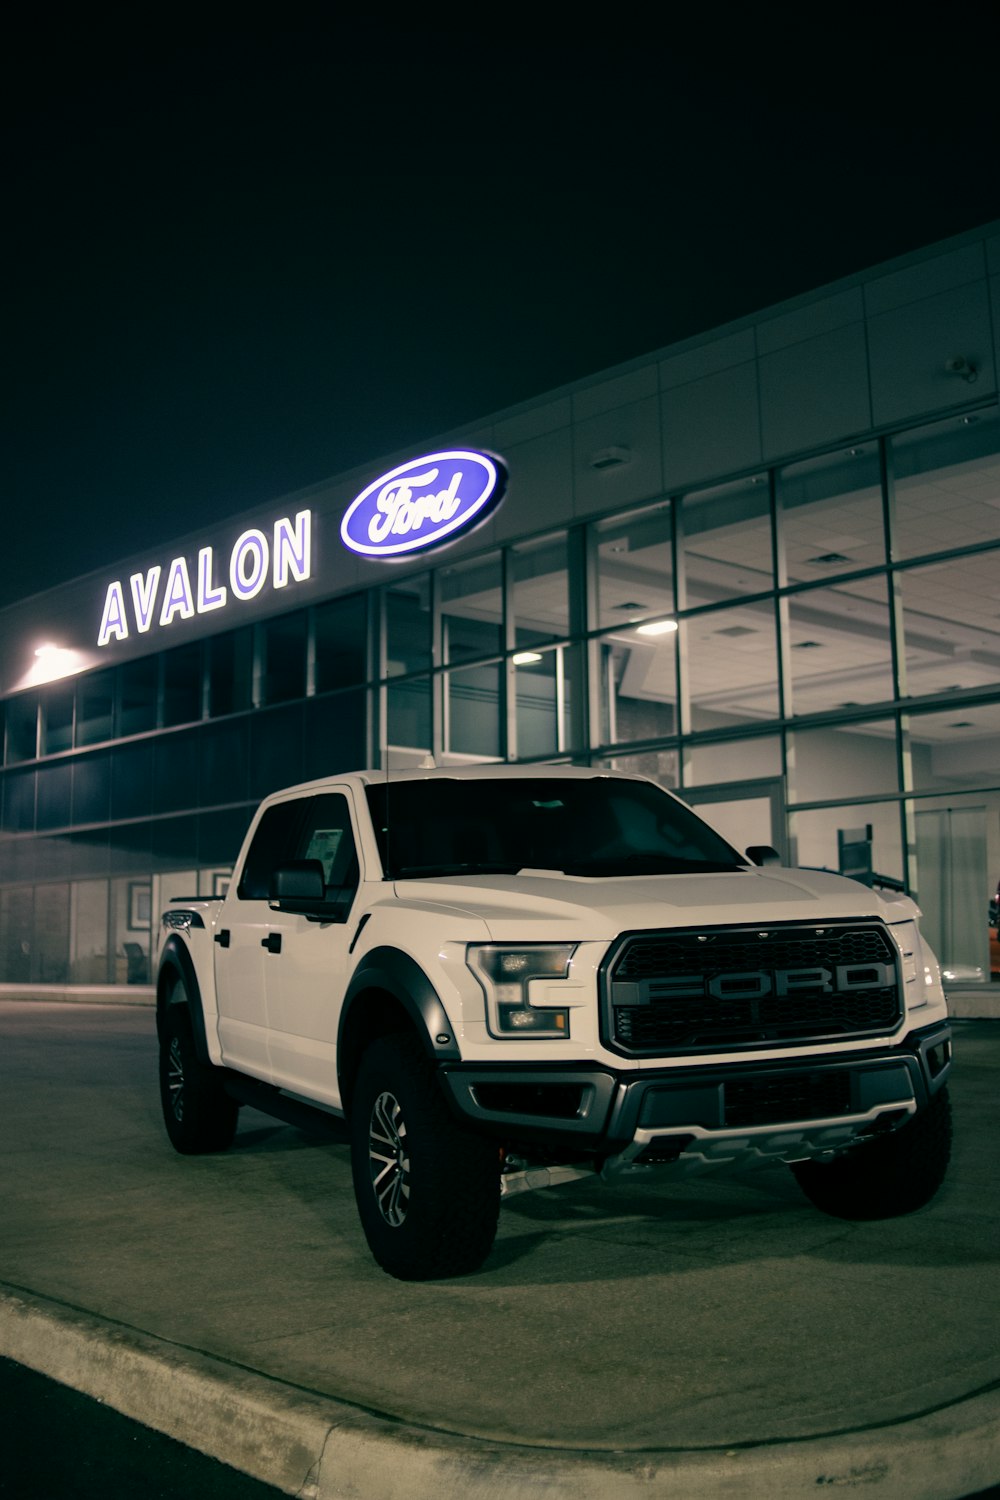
(954, 890)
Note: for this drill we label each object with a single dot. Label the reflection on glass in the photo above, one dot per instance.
(284, 658)
(732, 665)
(22, 728)
(951, 624)
(947, 485)
(956, 748)
(840, 646)
(831, 514)
(635, 568)
(50, 947)
(955, 883)
(95, 697)
(130, 925)
(182, 685)
(753, 759)
(472, 609)
(472, 712)
(409, 710)
(54, 794)
(88, 959)
(658, 765)
(638, 686)
(408, 626)
(19, 802)
(541, 591)
(855, 760)
(863, 841)
(543, 698)
(341, 635)
(138, 687)
(230, 672)
(727, 541)
(57, 720)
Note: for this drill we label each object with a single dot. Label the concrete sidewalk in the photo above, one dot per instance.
(716, 1338)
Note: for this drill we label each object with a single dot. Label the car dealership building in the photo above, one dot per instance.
(761, 566)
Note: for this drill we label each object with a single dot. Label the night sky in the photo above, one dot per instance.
(238, 260)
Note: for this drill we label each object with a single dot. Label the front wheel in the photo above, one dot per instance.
(198, 1113)
(428, 1192)
(894, 1174)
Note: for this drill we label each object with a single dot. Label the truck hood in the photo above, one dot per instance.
(543, 905)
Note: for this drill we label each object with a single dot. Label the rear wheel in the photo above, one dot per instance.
(428, 1192)
(895, 1174)
(197, 1112)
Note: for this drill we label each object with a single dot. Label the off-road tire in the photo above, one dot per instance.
(893, 1175)
(428, 1191)
(197, 1112)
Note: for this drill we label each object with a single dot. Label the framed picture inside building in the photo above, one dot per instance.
(140, 904)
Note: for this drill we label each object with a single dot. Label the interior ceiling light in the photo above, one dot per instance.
(657, 627)
(962, 724)
(854, 452)
(827, 559)
(525, 658)
(806, 646)
(610, 458)
(734, 630)
(630, 604)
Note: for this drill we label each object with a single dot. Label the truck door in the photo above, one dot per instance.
(306, 963)
(241, 944)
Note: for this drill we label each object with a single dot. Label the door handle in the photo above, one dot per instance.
(222, 938)
(272, 942)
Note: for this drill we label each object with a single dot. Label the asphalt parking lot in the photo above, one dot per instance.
(711, 1338)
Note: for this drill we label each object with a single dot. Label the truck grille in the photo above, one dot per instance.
(696, 991)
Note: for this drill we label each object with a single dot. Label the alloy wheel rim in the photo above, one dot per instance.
(175, 1079)
(389, 1159)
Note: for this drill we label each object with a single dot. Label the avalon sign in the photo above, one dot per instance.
(285, 557)
(423, 502)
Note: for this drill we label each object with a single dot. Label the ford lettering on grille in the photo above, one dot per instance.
(674, 992)
(754, 985)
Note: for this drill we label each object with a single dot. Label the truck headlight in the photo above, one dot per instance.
(506, 973)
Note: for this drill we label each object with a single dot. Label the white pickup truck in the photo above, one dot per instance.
(505, 976)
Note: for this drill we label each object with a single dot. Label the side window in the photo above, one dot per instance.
(269, 847)
(325, 834)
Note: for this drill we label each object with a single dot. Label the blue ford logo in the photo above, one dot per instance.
(423, 502)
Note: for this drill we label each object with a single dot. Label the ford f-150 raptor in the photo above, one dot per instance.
(506, 976)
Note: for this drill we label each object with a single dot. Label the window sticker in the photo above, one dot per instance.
(323, 845)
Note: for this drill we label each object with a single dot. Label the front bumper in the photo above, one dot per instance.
(773, 1109)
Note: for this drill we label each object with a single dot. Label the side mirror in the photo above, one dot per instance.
(299, 886)
(763, 854)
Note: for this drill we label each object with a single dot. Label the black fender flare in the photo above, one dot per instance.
(176, 959)
(395, 974)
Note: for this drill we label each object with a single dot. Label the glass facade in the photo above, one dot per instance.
(810, 654)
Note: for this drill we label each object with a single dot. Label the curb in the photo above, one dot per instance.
(82, 994)
(317, 1448)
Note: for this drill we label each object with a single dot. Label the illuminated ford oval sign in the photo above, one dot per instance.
(423, 502)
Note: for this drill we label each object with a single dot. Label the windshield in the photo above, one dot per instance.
(594, 826)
